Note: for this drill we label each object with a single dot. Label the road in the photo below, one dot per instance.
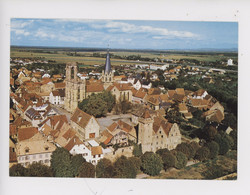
(62, 111)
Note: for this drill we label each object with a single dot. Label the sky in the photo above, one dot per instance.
(124, 34)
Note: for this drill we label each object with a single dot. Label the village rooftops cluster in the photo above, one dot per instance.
(38, 125)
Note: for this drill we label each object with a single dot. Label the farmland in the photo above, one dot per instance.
(87, 58)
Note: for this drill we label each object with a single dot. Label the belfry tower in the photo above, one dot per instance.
(74, 89)
(107, 73)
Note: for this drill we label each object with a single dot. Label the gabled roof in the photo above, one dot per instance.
(123, 86)
(69, 134)
(180, 91)
(60, 85)
(96, 150)
(95, 87)
(106, 137)
(74, 141)
(81, 118)
(140, 94)
(162, 122)
(154, 91)
(200, 92)
(171, 93)
(26, 133)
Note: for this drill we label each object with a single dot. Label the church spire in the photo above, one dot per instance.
(107, 64)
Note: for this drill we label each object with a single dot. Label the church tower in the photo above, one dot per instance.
(145, 133)
(107, 73)
(74, 89)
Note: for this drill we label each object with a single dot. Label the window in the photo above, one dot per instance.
(99, 155)
(27, 150)
(40, 155)
(46, 148)
(34, 156)
(47, 161)
(162, 136)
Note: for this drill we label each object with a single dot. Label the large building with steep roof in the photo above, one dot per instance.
(85, 125)
(155, 133)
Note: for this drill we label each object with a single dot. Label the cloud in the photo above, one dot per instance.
(20, 24)
(21, 32)
(159, 33)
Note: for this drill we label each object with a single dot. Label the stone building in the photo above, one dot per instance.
(155, 132)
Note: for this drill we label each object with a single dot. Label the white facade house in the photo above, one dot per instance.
(46, 75)
(230, 62)
(156, 67)
(137, 85)
(57, 97)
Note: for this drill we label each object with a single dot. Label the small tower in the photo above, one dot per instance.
(107, 73)
(74, 89)
(145, 134)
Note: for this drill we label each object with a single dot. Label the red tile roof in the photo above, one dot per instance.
(26, 133)
(94, 88)
(81, 118)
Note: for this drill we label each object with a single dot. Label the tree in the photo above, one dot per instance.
(151, 163)
(136, 162)
(87, 170)
(109, 99)
(39, 170)
(104, 169)
(137, 151)
(210, 132)
(162, 152)
(61, 163)
(76, 163)
(169, 160)
(213, 148)
(233, 134)
(95, 106)
(18, 170)
(186, 149)
(202, 154)
(223, 144)
(124, 168)
(181, 160)
(123, 107)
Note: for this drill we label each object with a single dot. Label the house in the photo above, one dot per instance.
(119, 133)
(12, 153)
(57, 97)
(139, 96)
(85, 125)
(33, 116)
(97, 154)
(155, 132)
(121, 91)
(33, 147)
(183, 108)
(200, 94)
(215, 113)
(137, 84)
(76, 146)
(153, 101)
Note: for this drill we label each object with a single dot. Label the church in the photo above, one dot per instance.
(77, 89)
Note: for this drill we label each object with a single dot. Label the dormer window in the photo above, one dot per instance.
(27, 150)
(46, 148)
